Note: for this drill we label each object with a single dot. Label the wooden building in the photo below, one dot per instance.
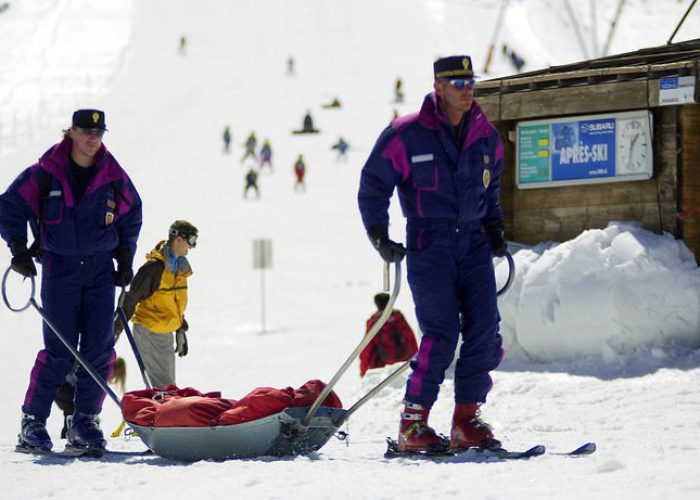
(667, 201)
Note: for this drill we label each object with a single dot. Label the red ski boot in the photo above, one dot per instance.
(414, 432)
(469, 431)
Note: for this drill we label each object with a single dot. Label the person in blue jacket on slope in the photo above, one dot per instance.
(85, 213)
(446, 162)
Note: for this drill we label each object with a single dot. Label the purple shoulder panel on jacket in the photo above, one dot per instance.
(480, 127)
(395, 151)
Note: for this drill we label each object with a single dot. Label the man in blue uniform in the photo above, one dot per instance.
(446, 162)
(85, 213)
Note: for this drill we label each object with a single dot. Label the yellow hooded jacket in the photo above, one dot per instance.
(163, 311)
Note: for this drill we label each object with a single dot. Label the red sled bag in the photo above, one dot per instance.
(173, 407)
(393, 343)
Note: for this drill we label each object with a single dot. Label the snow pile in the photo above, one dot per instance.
(609, 293)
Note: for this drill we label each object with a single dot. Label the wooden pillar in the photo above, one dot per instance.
(689, 172)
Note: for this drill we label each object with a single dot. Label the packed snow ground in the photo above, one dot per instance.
(602, 331)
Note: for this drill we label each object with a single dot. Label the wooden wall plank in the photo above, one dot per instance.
(585, 99)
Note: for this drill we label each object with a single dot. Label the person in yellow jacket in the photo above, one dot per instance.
(156, 303)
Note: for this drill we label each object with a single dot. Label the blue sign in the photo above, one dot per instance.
(583, 149)
(668, 83)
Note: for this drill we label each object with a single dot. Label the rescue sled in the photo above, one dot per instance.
(292, 431)
(281, 434)
(295, 430)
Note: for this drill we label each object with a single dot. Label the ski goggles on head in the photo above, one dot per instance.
(190, 238)
(460, 83)
(97, 132)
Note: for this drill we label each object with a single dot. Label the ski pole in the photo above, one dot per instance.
(130, 337)
(363, 343)
(88, 368)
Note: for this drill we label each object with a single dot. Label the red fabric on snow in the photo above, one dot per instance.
(394, 342)
(174, 407)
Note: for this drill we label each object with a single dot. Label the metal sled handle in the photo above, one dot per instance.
(381, 385)
(88, 368)
(130, 337)
(363, 343)
(511, 274)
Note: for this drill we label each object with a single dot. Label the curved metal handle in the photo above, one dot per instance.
(88, 367)
(363, 343)
(511, 273)
(4, 293)
(404, 367)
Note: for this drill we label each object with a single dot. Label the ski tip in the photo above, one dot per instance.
(538, 449)
(585, 449)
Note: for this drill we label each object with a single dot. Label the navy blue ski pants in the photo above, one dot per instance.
(450, 272)
(77, 294)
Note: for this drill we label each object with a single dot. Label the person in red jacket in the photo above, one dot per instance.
(393, 343)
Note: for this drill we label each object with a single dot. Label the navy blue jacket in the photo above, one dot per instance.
(107, 218)
(436, 179)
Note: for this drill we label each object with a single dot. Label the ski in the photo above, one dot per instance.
(475, 453)
(585, 449)
(74, 453)
(479, 454)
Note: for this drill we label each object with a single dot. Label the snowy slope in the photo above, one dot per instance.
(636, 396)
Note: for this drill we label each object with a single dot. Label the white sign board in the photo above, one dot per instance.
(676, 90)
(262, 254)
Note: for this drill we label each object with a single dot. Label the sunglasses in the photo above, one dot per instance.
(90, 131)
(190, 238)
(460, 83)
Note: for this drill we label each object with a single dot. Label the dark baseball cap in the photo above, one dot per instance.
(453, 67)
(89, 118)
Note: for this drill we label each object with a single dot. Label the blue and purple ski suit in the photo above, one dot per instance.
(445, 193)
(78, 241)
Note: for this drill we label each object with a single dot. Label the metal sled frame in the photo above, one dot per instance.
(281, 434)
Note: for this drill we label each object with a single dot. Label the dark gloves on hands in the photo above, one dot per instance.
(22, 259)
(118, 327)
(494, 232)
(181, 339)
(181, 343)
(389, 250)
(124, 273)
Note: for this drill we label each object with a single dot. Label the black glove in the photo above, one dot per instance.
(389, 250)
(124, 273)
(118, 327)
(181, 343)
(494, 232)
(22, 259)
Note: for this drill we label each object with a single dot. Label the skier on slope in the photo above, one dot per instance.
(446, 161)
(266, 155)
(250, 144)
